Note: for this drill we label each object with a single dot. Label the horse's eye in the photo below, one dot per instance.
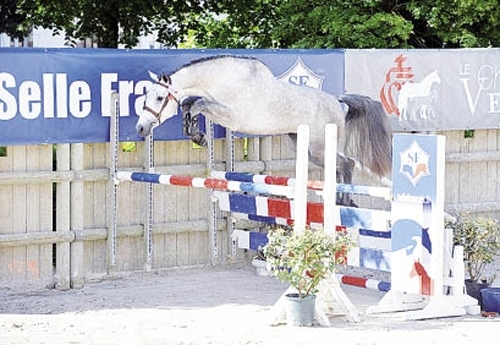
(159, 98)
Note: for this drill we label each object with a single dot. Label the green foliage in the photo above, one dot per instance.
(469, 133)
(235, 24)
(480, 238)
(264, 23)
(461, 23)
(305, 258)
(11, 20)
(349, 24)
(109, 22)
(129, 146)
(340, 24)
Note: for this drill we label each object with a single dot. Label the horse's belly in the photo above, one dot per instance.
(263, 123)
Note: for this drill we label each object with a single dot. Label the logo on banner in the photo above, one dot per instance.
(299, 74)
(415, 99)
(395, 78)
(414, 163)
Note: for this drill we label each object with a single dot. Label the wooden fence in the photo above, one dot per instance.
(55, 214)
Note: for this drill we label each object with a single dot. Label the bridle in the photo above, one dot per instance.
(169, 97)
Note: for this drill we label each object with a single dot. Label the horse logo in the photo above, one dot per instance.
(414, 163)
(422, 94)
(426, 282)
(299, 74)
(412, 251)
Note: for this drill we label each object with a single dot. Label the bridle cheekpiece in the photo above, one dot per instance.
(170, 96)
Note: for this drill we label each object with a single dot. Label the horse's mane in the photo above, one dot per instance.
(209, 58)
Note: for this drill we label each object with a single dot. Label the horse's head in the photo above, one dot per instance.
(160, 104)
(418, 269)
(435, 77)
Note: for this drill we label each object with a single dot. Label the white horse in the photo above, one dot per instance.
(414, 90)
(242, 94)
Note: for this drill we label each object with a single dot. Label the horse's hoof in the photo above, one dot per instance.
(199, 139)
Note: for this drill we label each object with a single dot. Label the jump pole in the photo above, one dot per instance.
(203, 182)
(301, 177)
(315, 185)
(331, 215)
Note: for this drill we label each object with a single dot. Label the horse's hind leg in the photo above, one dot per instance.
(345, 168)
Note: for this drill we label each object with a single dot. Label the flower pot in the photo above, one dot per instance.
(299, 311)
(260, 267)
(474, 290)
(491, 299)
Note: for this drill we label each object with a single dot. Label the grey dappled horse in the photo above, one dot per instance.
(242, 94)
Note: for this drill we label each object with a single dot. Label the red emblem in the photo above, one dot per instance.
(395, 78)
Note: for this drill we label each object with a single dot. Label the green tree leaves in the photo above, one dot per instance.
(264, 23)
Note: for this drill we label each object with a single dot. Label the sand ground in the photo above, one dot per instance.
(209, 306)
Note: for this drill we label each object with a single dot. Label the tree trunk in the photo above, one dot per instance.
(108, 36)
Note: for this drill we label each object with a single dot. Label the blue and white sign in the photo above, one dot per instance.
(63, 95)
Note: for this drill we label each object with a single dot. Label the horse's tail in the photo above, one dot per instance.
(368, 134)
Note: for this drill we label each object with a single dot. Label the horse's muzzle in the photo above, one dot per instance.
(142, 131)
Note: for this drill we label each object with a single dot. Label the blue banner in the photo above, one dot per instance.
(63, 95)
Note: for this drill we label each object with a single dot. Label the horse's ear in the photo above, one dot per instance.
(153, 76)
(165, 78)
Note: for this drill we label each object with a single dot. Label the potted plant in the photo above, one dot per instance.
(260, 263)
(304, 259)
(480, 238)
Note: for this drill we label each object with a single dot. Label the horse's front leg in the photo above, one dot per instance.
(216, 112)
(191, 123)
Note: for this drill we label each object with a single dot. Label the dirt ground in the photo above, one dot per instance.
(210, 306)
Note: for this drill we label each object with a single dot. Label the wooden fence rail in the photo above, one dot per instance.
(54, 204)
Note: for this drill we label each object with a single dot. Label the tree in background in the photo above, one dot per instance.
(264, 23)
(110, 22)
(11, 20)
(235, 24)
(351, 24)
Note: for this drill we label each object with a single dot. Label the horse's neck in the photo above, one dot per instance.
(187, 84)
(183, 85)
(428, 81)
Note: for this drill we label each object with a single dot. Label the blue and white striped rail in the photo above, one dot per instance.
(283, 208)
(380, 192)
(199, 182)
(372, 247)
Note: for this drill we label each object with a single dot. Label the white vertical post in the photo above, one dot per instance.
(437, 236)
(301, 177)
(149, 217)
(230, 167)
(330, 212)
(113, 147)
(212, 225)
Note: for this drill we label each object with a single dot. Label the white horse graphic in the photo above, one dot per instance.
(417, 90)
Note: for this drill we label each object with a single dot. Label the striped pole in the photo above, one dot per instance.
(364, 282)
(265, 179)
(380, 192)
(350, 217)
(209, 183)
